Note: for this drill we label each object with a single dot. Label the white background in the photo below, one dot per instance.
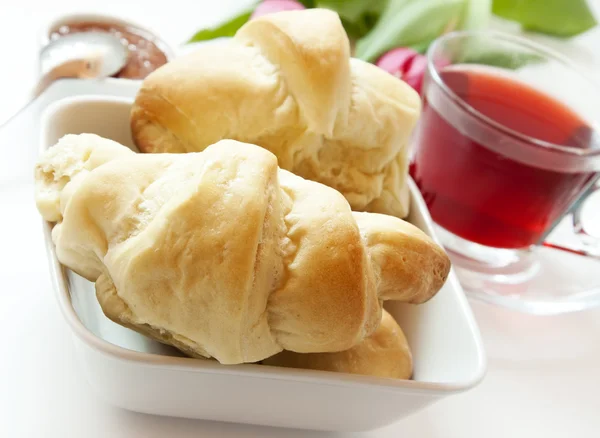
(544, 373)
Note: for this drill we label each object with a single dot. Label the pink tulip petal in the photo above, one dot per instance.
(416, 72)
(396, 61)
(406, 64)
(272, 6)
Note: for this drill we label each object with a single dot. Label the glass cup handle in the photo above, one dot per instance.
(584, 243)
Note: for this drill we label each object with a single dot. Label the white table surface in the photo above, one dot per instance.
(544, 372)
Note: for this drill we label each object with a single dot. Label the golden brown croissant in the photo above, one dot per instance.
(224, 255)
(286, 82)
(385, 353)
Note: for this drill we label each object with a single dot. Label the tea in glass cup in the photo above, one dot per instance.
(503, 151)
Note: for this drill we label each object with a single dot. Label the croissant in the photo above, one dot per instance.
(385, 353)
(286, 82)
(224, 255)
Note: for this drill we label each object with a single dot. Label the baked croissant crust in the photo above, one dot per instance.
(222, 254)
(385, 353)
(286, 82)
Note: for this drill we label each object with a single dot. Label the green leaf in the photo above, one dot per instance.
(354, 30)
(358, 16)
(308, 3)
(498, 57)
(563, 18)
(353, 10)
(410, 23)
(476, 15)
(227, 29)
(421, 47)
(361, 27)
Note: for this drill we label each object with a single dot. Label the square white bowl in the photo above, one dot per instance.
(136, 373)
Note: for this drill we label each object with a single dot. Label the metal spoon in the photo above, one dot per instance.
(81, 55)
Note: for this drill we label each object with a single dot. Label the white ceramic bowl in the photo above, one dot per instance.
(133, 372)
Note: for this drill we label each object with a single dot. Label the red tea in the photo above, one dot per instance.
(481, 195)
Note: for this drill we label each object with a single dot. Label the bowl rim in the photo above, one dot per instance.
(62, 294)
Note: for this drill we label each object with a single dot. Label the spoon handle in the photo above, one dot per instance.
(74, 68)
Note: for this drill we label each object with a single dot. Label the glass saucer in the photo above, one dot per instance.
(544, 281)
